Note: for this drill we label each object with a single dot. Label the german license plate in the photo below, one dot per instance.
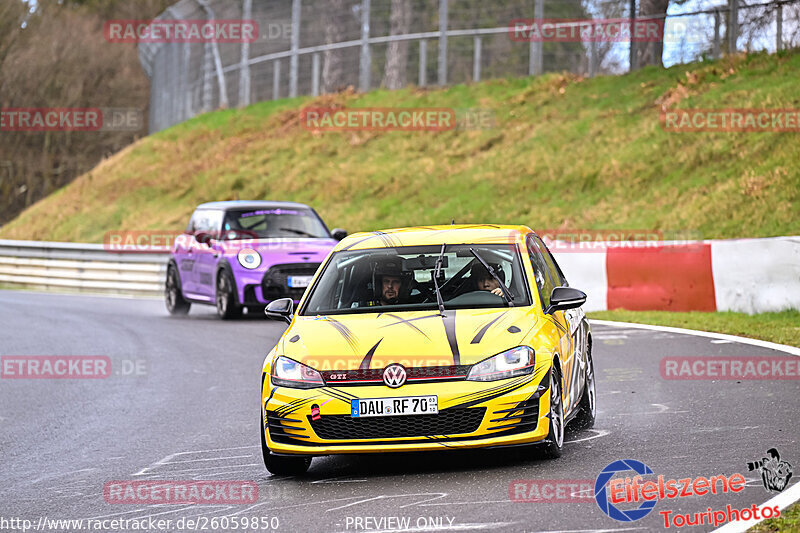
(298, 282)
(408, 405)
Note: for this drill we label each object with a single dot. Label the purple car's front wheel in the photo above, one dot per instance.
(227, 307)
(176, 304)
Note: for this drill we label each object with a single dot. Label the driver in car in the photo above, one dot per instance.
(484, 281)
(389, 282)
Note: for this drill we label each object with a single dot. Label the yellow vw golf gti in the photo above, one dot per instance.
(428, 338)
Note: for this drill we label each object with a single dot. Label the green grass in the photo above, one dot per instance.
(789, 522)
(566, 152)
(783, 327)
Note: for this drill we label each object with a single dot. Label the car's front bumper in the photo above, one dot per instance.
(471, 415)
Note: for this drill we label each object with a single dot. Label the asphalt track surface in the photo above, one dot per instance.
(192, 413)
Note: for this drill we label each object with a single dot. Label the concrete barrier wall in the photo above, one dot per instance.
(746, 275)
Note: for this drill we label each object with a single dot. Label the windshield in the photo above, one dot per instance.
(272, 223)
(401, 278)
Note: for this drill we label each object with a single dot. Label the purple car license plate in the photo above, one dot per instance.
(299, 282)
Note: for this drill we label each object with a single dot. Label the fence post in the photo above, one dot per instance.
(207, 77)
(187, 94)
(423, 63)
(223, 88)
(276, 79)
(364, 62)
(716, 34)
(315, 75)
(244, 66)
(295, 44)
(535, 63)
(633, 60)
(592, 58)
(442, 42)
(476, 60)
(733, 25)
(779, 28)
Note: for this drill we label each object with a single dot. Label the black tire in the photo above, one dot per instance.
(176, 304)
(587, 407)
(281, 465)
(555, 436)
(227, 308)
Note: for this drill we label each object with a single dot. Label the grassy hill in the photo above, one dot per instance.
(565, 152)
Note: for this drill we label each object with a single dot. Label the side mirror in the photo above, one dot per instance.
(280, 310)
(203, 237)
(338, 234)
(563, 298)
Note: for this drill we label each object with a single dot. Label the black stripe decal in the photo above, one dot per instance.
(483, 330)
(368, 358)
(449, 321)
(345, 332)
(401, 320)
(492, 397)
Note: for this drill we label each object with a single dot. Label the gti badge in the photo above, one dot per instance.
(394, 375)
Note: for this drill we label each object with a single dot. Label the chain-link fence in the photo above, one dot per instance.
(318, 46)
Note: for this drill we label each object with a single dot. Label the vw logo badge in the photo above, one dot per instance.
(394, 375)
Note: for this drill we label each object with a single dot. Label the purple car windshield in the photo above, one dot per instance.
(273, 223)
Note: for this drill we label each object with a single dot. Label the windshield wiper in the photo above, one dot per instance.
(298, 232)
(506, 294)
(437, 271)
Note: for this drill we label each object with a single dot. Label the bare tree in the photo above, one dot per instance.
(397, 51)
(333, 75)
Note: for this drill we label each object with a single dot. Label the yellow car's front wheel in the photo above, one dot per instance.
(555, 437)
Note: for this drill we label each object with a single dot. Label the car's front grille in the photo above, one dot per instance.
(455, 421)
(371, 376)
(275, 283)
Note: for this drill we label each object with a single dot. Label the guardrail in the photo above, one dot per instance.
(83, 268)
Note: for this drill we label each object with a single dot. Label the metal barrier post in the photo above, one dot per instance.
(293, 61)
(423, 63)
(365, 60)
(442, 42)
(244, 63)
(315, 75)
(476, 60)
(276, 79)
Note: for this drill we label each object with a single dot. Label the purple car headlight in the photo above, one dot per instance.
(289, 373)
(249, 258)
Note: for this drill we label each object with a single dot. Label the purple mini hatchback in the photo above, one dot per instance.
(245, 254)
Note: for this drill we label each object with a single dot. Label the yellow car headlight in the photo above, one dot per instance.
(514, 362)
(289, 373)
